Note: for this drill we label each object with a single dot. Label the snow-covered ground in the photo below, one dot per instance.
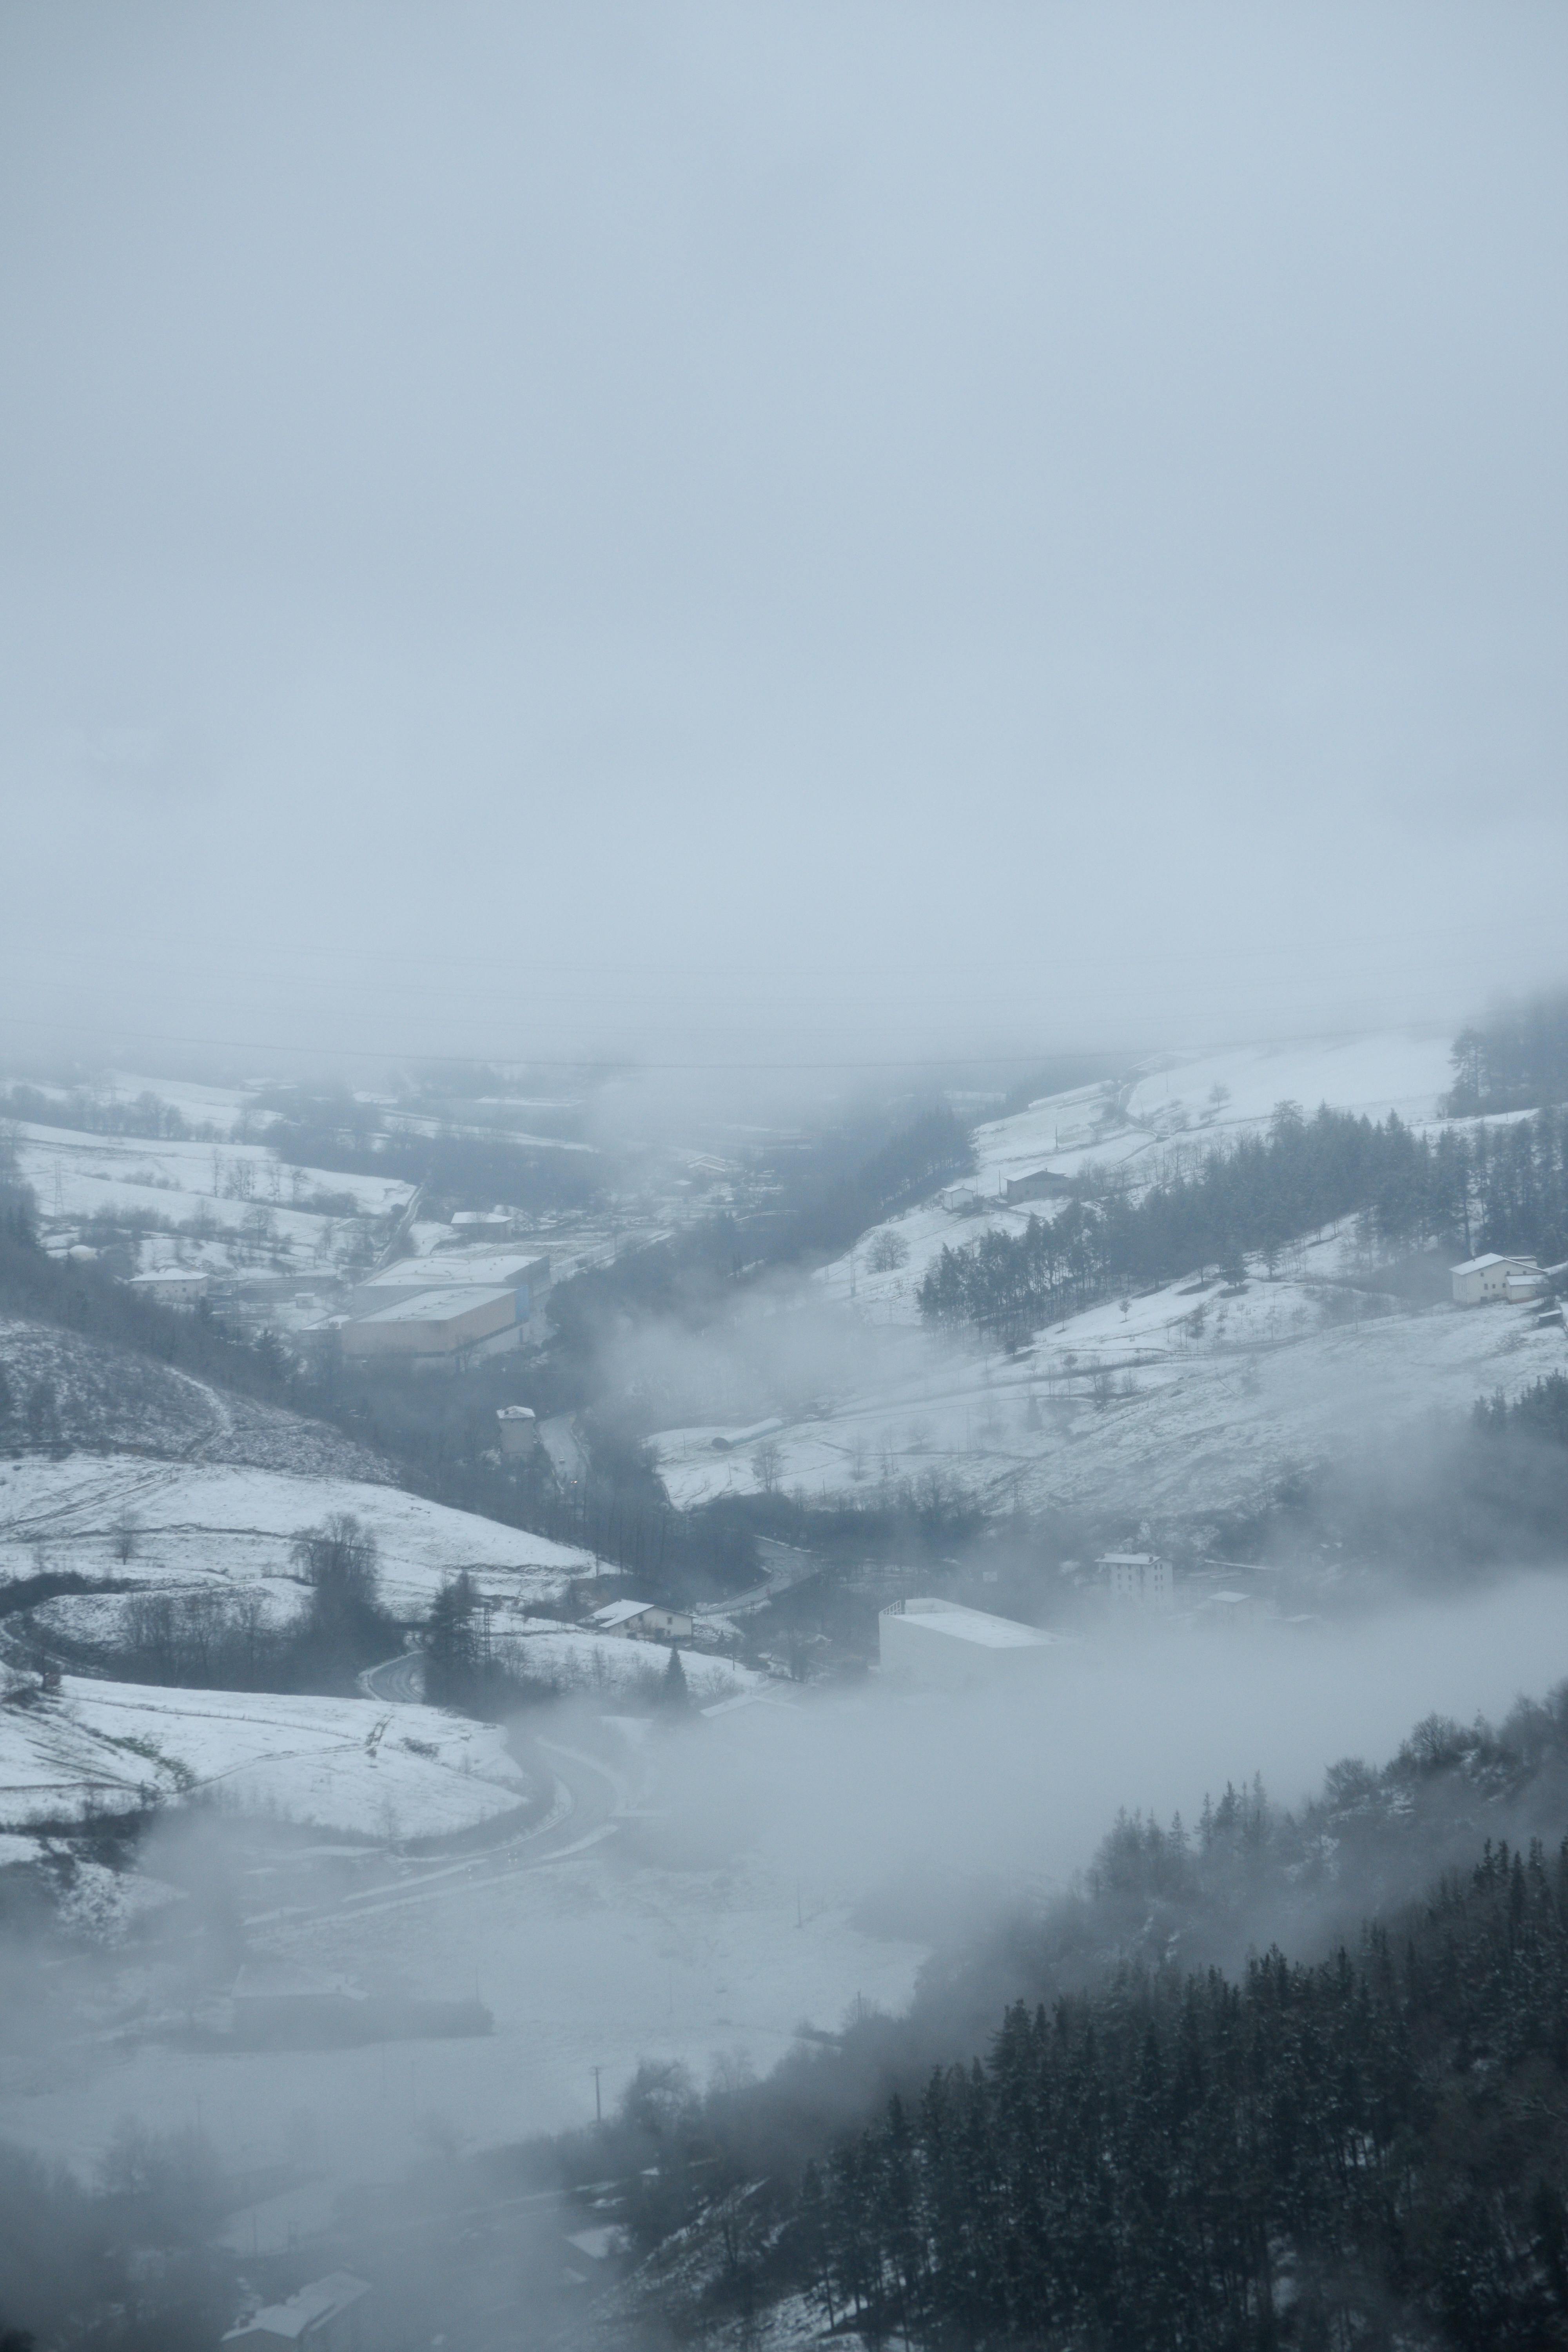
(222, 1527)
(1184, 1401)
(112, 1397)
(718, 1911)
(228, 1190)
(329, 1763)
(622, 1949)
(1176, 1401)
(604, 1664)
(1156, 1124)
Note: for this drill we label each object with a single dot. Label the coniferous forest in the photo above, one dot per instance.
(1308, 2156)
(1469, 1189)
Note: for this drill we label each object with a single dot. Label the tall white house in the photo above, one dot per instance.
(1494, 1276)
(940, 1646)
(1138, 1579)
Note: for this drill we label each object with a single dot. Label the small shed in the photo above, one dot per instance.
(519, 1427)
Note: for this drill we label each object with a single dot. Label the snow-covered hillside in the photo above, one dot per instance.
(222, 1527)
(1186, 1400)
(1156, 1123)
(609, 1666)
(349, 1765)
(110, 1396)
(1146, 1410)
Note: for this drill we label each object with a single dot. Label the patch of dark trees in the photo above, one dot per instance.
(78, 1295)
(87, 1113)
(1312, 2154)
(126, 2262)
(1504, 1190)
(1462, 1494)
(1113, 2124)
(1514, 1060)
(357, 1139)
(933, 1150)
(220, 1641)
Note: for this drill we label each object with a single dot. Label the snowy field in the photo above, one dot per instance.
(604, 1664)
(227, 1189)
(1185, 1399)
(327, 1763)
(223, 1528)
(1189, 1400)
(606, 1954)
(1158, 1124)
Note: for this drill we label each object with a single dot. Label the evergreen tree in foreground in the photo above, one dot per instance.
(673, 1694)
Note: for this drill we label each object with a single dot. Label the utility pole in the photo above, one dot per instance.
(598, 2103)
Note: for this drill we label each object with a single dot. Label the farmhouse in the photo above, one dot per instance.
(1137, 1579)
(170, 1285)
(326, 2317)
(1480, 1279)
(1036, 1184)
(940, 1646)
(642, 1620)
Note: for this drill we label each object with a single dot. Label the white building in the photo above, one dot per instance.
(327, 2316)
(643, 1620)
(1480, 1279)
(170, 1285)
(940, 1646)
(525, 1271)
(439, 1330)
(518, 1428)
(1138, 1579)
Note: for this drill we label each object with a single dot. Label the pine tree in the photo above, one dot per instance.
(673, 1694)
(451, 1644)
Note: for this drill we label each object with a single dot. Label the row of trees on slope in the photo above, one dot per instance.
(1168, 2141)
(1316, 2155)
(1515, 1060)
(1488, 1188)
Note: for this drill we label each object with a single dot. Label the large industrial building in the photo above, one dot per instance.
(444, 1312)
(942, 1646)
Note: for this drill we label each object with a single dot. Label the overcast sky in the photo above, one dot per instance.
(778, 529)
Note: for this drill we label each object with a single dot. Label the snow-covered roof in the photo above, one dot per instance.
(435, 1305)
(324, 2298)
(494, 1269)
(620, 1612)
(1492, 1257)
(977, 1626)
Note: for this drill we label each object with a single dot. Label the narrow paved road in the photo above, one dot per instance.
(400, 1680)
(586, 1797)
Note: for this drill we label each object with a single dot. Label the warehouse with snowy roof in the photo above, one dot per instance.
(942, 1646)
